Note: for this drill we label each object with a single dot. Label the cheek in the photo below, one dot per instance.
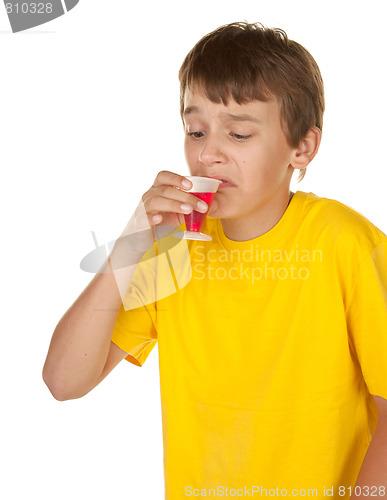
(186, 146)
(190, 151)
(254, 166)
(186, 150)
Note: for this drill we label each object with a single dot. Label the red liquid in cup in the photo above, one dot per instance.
(194, 220)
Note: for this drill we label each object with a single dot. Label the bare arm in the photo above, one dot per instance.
(81, 353)
(372, 479)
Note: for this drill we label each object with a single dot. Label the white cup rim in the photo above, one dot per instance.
(203, 184)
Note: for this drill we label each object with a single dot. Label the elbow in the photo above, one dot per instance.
(58, 388)
(56, 392)
(59, 396)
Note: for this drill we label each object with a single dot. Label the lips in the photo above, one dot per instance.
(225, 180)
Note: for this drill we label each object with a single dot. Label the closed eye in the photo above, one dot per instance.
(199, 135)
(239, 137)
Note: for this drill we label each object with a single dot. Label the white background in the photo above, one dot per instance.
(89, 115)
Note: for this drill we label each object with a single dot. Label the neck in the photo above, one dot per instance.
(260, 221)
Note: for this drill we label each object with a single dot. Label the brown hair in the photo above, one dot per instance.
(245, 62)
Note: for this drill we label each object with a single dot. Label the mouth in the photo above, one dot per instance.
(226, 182)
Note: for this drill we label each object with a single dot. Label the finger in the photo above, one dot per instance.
(166, 177)
(182, 205)
(157, 204)
(174, 220)
(155, 200)
(181, 196)
(155, 219)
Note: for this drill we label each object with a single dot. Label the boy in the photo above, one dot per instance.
(273, 356)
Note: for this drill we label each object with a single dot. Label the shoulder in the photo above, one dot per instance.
(342, 224)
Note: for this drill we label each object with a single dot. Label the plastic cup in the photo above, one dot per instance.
(205, 189)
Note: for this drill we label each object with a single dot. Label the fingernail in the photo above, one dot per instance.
(202, 205)
(186, 183)
(186, 208)
(156, 218)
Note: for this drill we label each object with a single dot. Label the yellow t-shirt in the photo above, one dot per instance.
(268, 355)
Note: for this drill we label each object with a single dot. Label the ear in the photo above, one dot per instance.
(307, 149)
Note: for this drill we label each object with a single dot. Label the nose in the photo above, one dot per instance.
(211, 152)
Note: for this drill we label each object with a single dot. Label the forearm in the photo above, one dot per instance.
(373, 473)
(81, 341)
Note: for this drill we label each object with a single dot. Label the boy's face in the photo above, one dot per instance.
(243, 144)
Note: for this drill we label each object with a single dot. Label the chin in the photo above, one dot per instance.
(222, 214)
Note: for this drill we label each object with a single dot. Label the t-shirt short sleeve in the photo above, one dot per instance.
(367, 319)
(163, 270)
(135, 334)
(135, 328)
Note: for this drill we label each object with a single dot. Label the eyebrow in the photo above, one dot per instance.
(225, 116)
